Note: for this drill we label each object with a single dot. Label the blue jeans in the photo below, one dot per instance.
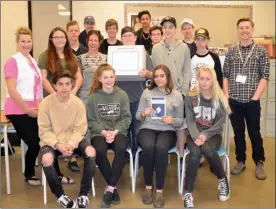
(133, 128)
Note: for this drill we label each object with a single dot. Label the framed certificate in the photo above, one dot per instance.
(127, 61)
(158, 103)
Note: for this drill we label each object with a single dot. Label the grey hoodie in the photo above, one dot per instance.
(177, 58)
(108, 112)
(203, 118)
(174, 108)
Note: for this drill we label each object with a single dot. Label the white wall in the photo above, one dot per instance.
(263, 12)
(13, 14)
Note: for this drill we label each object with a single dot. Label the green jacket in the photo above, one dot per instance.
(108, 112)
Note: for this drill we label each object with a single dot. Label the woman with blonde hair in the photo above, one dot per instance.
(108, 117)
(206, 109)
(24, 85)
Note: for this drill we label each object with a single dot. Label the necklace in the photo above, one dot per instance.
(145, 37)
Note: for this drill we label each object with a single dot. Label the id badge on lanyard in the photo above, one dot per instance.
(241, 78)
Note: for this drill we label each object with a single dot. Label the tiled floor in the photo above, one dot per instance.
(246, 190)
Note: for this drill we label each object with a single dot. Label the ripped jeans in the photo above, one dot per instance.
(53, 176)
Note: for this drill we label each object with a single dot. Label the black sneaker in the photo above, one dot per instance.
(115, 197)
(224, 190)
(66, 202)
(73, 166)
(82, 201)
(188, 200)
(106, 201)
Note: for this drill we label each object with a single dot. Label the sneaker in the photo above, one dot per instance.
(66, 202)
(147, 197)
(239, 168)
(159, 200)
(260, 172)
(106, 201)
(224, 190)
(82, 201)
(188, 200)
(115, 197)
(73, 166)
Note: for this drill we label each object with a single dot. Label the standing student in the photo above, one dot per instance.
(157, 136)
(143, 34)
(89, 62)
(188, 30)
(89, 24)
(73, 32)
(134, 89)
(204, 57)
(206, 108)
(111, 27)
(62, 126)
(176, 56)
(109, 117)
(245, 77)
(156, 35)
(58, 56)
(24, 86)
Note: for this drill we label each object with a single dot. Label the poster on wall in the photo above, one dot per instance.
(133, 21)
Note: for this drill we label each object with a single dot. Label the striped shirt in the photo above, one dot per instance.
(254, 65)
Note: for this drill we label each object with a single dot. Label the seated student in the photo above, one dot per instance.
(109, 117)
(62, 126)
(206, 108)
(157, 136)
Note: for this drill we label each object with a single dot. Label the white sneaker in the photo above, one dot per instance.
(82, 201)
(66, 202)
(188, 200)
(224, 190)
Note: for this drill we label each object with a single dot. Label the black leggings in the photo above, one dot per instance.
(119, 146)
(208, 150)
(155, 146)
(27, 129)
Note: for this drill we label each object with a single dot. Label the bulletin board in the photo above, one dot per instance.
(220, 20)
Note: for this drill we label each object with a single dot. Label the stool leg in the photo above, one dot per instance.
(93, 187)
(23, 146)
(7, 163)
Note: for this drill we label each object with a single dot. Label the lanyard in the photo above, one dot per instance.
(248, 56)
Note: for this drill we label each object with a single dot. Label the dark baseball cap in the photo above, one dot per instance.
(89, 20)
(202, 32)
(168, 19)
(127, 29)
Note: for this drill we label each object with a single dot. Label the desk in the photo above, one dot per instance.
(5, 123)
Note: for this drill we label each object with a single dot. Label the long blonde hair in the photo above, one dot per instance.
(217, 93)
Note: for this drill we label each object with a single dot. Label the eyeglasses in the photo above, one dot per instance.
(59, 37)
(127, 36)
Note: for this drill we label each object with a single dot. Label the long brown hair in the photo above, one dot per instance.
(169, 84)
(96, 84)
(53, 60)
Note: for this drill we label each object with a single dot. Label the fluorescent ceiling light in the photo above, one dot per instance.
(64, 13)
(61, 7)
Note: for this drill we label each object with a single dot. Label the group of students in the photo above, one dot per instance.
(70, 102)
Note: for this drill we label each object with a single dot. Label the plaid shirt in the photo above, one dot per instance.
(256, 68)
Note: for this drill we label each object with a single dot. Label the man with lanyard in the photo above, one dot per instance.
(143, 34)
(246, 75)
